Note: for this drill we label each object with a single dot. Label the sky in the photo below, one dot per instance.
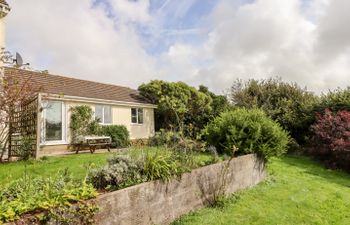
(209, 42)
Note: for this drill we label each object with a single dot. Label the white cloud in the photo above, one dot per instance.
(303, 41)
(134, 11)
(178, 64)
(333, 30)
(275, 38)
(73, 38)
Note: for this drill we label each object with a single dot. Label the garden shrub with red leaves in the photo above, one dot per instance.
(331, 138)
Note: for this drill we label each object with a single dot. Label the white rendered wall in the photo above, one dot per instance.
(2, 32)
(2, 43)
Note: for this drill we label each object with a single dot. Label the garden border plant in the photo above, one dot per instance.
(82, 123)
(331, 138)
(244, 131)
(139, 166)
(28, 194)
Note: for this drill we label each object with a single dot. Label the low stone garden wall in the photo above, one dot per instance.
(159, 202)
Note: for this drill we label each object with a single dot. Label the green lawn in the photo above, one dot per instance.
(297, 191)
(76, 164)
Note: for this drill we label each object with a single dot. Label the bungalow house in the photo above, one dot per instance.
(111, 104)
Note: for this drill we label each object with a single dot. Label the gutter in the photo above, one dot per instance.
(95, 100)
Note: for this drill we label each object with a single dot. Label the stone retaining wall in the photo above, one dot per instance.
(160, 202)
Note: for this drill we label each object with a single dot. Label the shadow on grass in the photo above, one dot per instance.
(315, 168)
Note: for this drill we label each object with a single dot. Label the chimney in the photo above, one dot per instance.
(4, 10)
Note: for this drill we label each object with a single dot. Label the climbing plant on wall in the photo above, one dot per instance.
(82, 122)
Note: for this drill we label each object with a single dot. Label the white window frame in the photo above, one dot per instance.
(102, 122)
(137, 116)
(43, 141)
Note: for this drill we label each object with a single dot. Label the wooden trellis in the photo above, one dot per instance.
(23, 128)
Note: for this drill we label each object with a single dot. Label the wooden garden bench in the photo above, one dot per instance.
(93, 142)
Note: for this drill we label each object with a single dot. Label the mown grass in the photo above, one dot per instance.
(297, 191)
(77, 165)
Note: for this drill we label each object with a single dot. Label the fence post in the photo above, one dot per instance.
(38, 127)
(9, 149)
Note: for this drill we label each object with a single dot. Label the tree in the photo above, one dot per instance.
(13, 93)
(219, 103)
(336, 100)
(179, 105)
(286, 103)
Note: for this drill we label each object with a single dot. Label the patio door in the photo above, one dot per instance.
(53, 123)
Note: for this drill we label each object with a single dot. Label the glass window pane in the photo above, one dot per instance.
(107, 114)
(53, 121)
(99, 113)
(140, 116)
(133, 115)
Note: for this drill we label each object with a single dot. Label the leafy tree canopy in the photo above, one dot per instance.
(286, 103)
(336, 100)
(182, 106)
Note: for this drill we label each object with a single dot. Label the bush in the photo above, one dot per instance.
(189, 145)
(247, 131)
(118, 133)
(171, 139)
(25, 149)
(165, 138)
(332, 138)
(121, 171)
(142, 165)
(287, 103)
(160, 166)
(336, 100)
(82, 122)
(28, 194)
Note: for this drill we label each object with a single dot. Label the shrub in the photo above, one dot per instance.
(171, 139)
(189, 145)
(332, 138)
(186, 161)
(142, 165)
(82, 122)
(165, 138)
(80, 213)
(160, 166)
(118, 133)
(25, 149)
(121, 171)
(287, 103)
(247, 131)
(28, 194)
(336, 100)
